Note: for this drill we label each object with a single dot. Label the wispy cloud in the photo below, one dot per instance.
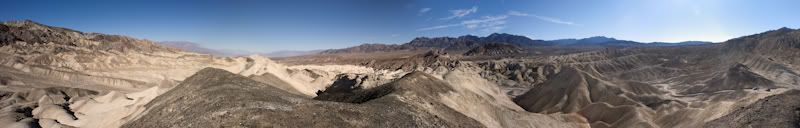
(494, 23)
(458, 13)
(554, 20)
(438, 27)
(517, 13)
(423, 11)
(543, 18)
(493, 29)
(486, 23)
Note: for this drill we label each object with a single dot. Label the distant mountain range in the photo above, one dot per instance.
(469, 41)
(194, 47)
(608, 41)
(447, 43)
(290, 53)
(466, 42)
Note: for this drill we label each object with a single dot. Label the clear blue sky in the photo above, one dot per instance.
(272, 25)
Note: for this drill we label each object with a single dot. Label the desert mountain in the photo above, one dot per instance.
(469, 42)
(613, 42)
(448, 43)
(590, 40)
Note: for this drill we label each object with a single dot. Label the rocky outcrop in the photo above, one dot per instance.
(23, 108)
(31, 32)
(778, 111)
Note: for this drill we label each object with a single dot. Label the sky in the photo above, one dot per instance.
(276, 25)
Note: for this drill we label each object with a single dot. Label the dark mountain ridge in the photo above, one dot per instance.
(608, 41)
(470, 41)
(30, 32)
(448, 43)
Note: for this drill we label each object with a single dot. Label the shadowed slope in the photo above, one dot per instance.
(602, 103)
(569, 91)
(425, 85)
(778, 111)
(736, 78)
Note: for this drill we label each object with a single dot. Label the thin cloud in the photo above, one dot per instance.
(486, 23)
(493, 23)
(517, 13)
(423, 11)
(543, 18)
(493, 29)
(554, 20)
(438, 27)
(458, 13)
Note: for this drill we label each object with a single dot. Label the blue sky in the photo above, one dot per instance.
(272, 25)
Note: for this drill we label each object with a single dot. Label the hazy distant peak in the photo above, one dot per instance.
(503, 35)
(781, 30)
(469, 37)
(599, 39)
(589, 40)
(195, 47)
(785, 29)
(178, 43)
